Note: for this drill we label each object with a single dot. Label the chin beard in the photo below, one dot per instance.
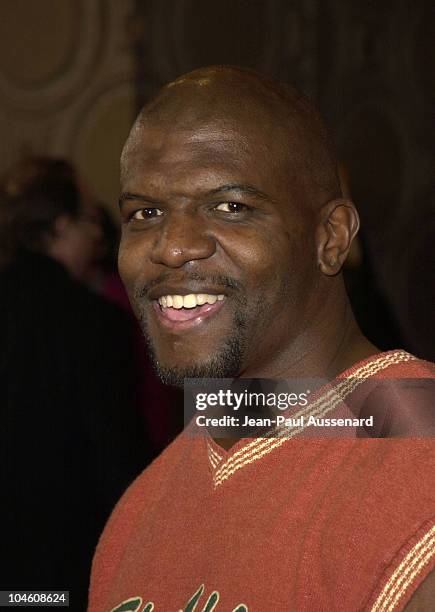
(225, 364)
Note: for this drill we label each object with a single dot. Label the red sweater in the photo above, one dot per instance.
(275, 524)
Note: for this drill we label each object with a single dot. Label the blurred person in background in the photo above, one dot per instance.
(56, 223)
(71, 438)
(103, 268)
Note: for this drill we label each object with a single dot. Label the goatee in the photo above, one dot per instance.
(226, 363)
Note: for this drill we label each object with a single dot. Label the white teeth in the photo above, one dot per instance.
(189, 301)
(177, 301)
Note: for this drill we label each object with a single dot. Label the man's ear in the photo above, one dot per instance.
(338, 225)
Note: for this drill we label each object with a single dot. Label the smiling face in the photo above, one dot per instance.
(217, 251)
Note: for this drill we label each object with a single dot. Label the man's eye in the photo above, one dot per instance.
(231, 207)
(146, 213)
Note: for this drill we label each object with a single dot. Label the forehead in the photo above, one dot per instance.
(205, 152)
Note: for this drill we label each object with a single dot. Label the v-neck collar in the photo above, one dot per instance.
(224, 463)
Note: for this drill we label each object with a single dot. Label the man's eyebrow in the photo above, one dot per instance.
(127, 195)
(242, 188)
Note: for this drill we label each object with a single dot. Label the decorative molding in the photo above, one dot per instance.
(80, 63)
(53, 114)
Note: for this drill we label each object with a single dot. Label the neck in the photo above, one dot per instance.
(330, 345)
(330, 342)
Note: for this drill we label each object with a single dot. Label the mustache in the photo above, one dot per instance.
(215, 279)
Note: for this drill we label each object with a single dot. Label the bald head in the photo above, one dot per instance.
(224, 97)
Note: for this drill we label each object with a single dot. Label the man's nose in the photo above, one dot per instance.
(182, 238)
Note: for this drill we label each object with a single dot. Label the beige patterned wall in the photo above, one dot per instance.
(67, 84)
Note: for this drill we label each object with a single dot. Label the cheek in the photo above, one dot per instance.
(125, 264)
(132, 260)
(261, 258)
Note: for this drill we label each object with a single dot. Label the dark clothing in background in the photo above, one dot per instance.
(70, 438)
(160, 405)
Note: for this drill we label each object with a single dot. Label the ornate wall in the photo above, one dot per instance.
(67, 84)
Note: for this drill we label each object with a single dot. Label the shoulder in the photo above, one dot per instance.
(137, 501)
(139, 496)
(401, 364)
(399, 396)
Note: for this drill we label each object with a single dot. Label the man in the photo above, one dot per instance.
(234, 234)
